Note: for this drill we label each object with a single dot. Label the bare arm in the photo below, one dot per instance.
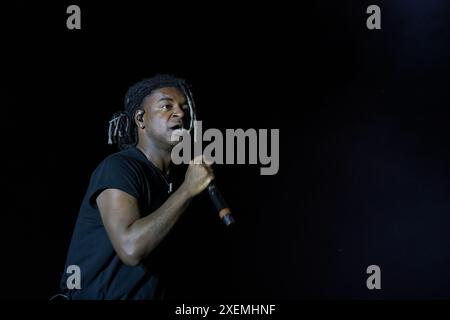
(134, 237)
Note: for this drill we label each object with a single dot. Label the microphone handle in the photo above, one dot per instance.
(220, 204)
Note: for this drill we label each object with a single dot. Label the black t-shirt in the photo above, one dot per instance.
(103, 275)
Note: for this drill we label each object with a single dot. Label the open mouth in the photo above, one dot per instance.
(177, 127)
(177, 132)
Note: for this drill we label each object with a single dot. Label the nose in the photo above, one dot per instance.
(178, 112)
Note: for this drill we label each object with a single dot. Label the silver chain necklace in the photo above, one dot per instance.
(169, 184)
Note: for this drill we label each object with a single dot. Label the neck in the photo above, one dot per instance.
(159, 157)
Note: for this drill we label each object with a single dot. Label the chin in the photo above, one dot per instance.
(173, 143)
(176, 137)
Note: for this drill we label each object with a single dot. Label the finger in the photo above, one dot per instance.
(197, 160)
(209, 169)
(208, 161)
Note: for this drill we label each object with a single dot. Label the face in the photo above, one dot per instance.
(163, 116)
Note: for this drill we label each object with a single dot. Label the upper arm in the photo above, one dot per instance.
(119, 210)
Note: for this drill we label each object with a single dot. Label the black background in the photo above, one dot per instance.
(364, 141)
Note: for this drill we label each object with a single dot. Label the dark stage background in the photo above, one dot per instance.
(364, 141)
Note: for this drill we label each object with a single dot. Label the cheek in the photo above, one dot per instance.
(159, 125)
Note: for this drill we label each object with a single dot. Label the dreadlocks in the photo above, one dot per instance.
(122, 128)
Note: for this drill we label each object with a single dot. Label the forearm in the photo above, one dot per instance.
(144, 234)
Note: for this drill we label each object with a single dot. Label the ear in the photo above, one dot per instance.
(139, 119)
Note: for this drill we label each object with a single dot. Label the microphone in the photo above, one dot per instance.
(220, 204)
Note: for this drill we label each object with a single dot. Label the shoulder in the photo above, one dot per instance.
(122, 165)
(121, 170)
(126, 159)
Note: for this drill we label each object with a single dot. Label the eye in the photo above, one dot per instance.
(166, 106)
(185, 107)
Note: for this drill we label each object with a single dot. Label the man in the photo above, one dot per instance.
(130, 205)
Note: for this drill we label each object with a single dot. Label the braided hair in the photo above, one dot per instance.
(122, 128)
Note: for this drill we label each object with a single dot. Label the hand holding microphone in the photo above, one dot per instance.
(198, 177)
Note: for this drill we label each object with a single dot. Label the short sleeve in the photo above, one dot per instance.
(115, 172)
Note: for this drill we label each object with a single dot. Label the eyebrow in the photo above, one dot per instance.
(165, 99)
(171, 100)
